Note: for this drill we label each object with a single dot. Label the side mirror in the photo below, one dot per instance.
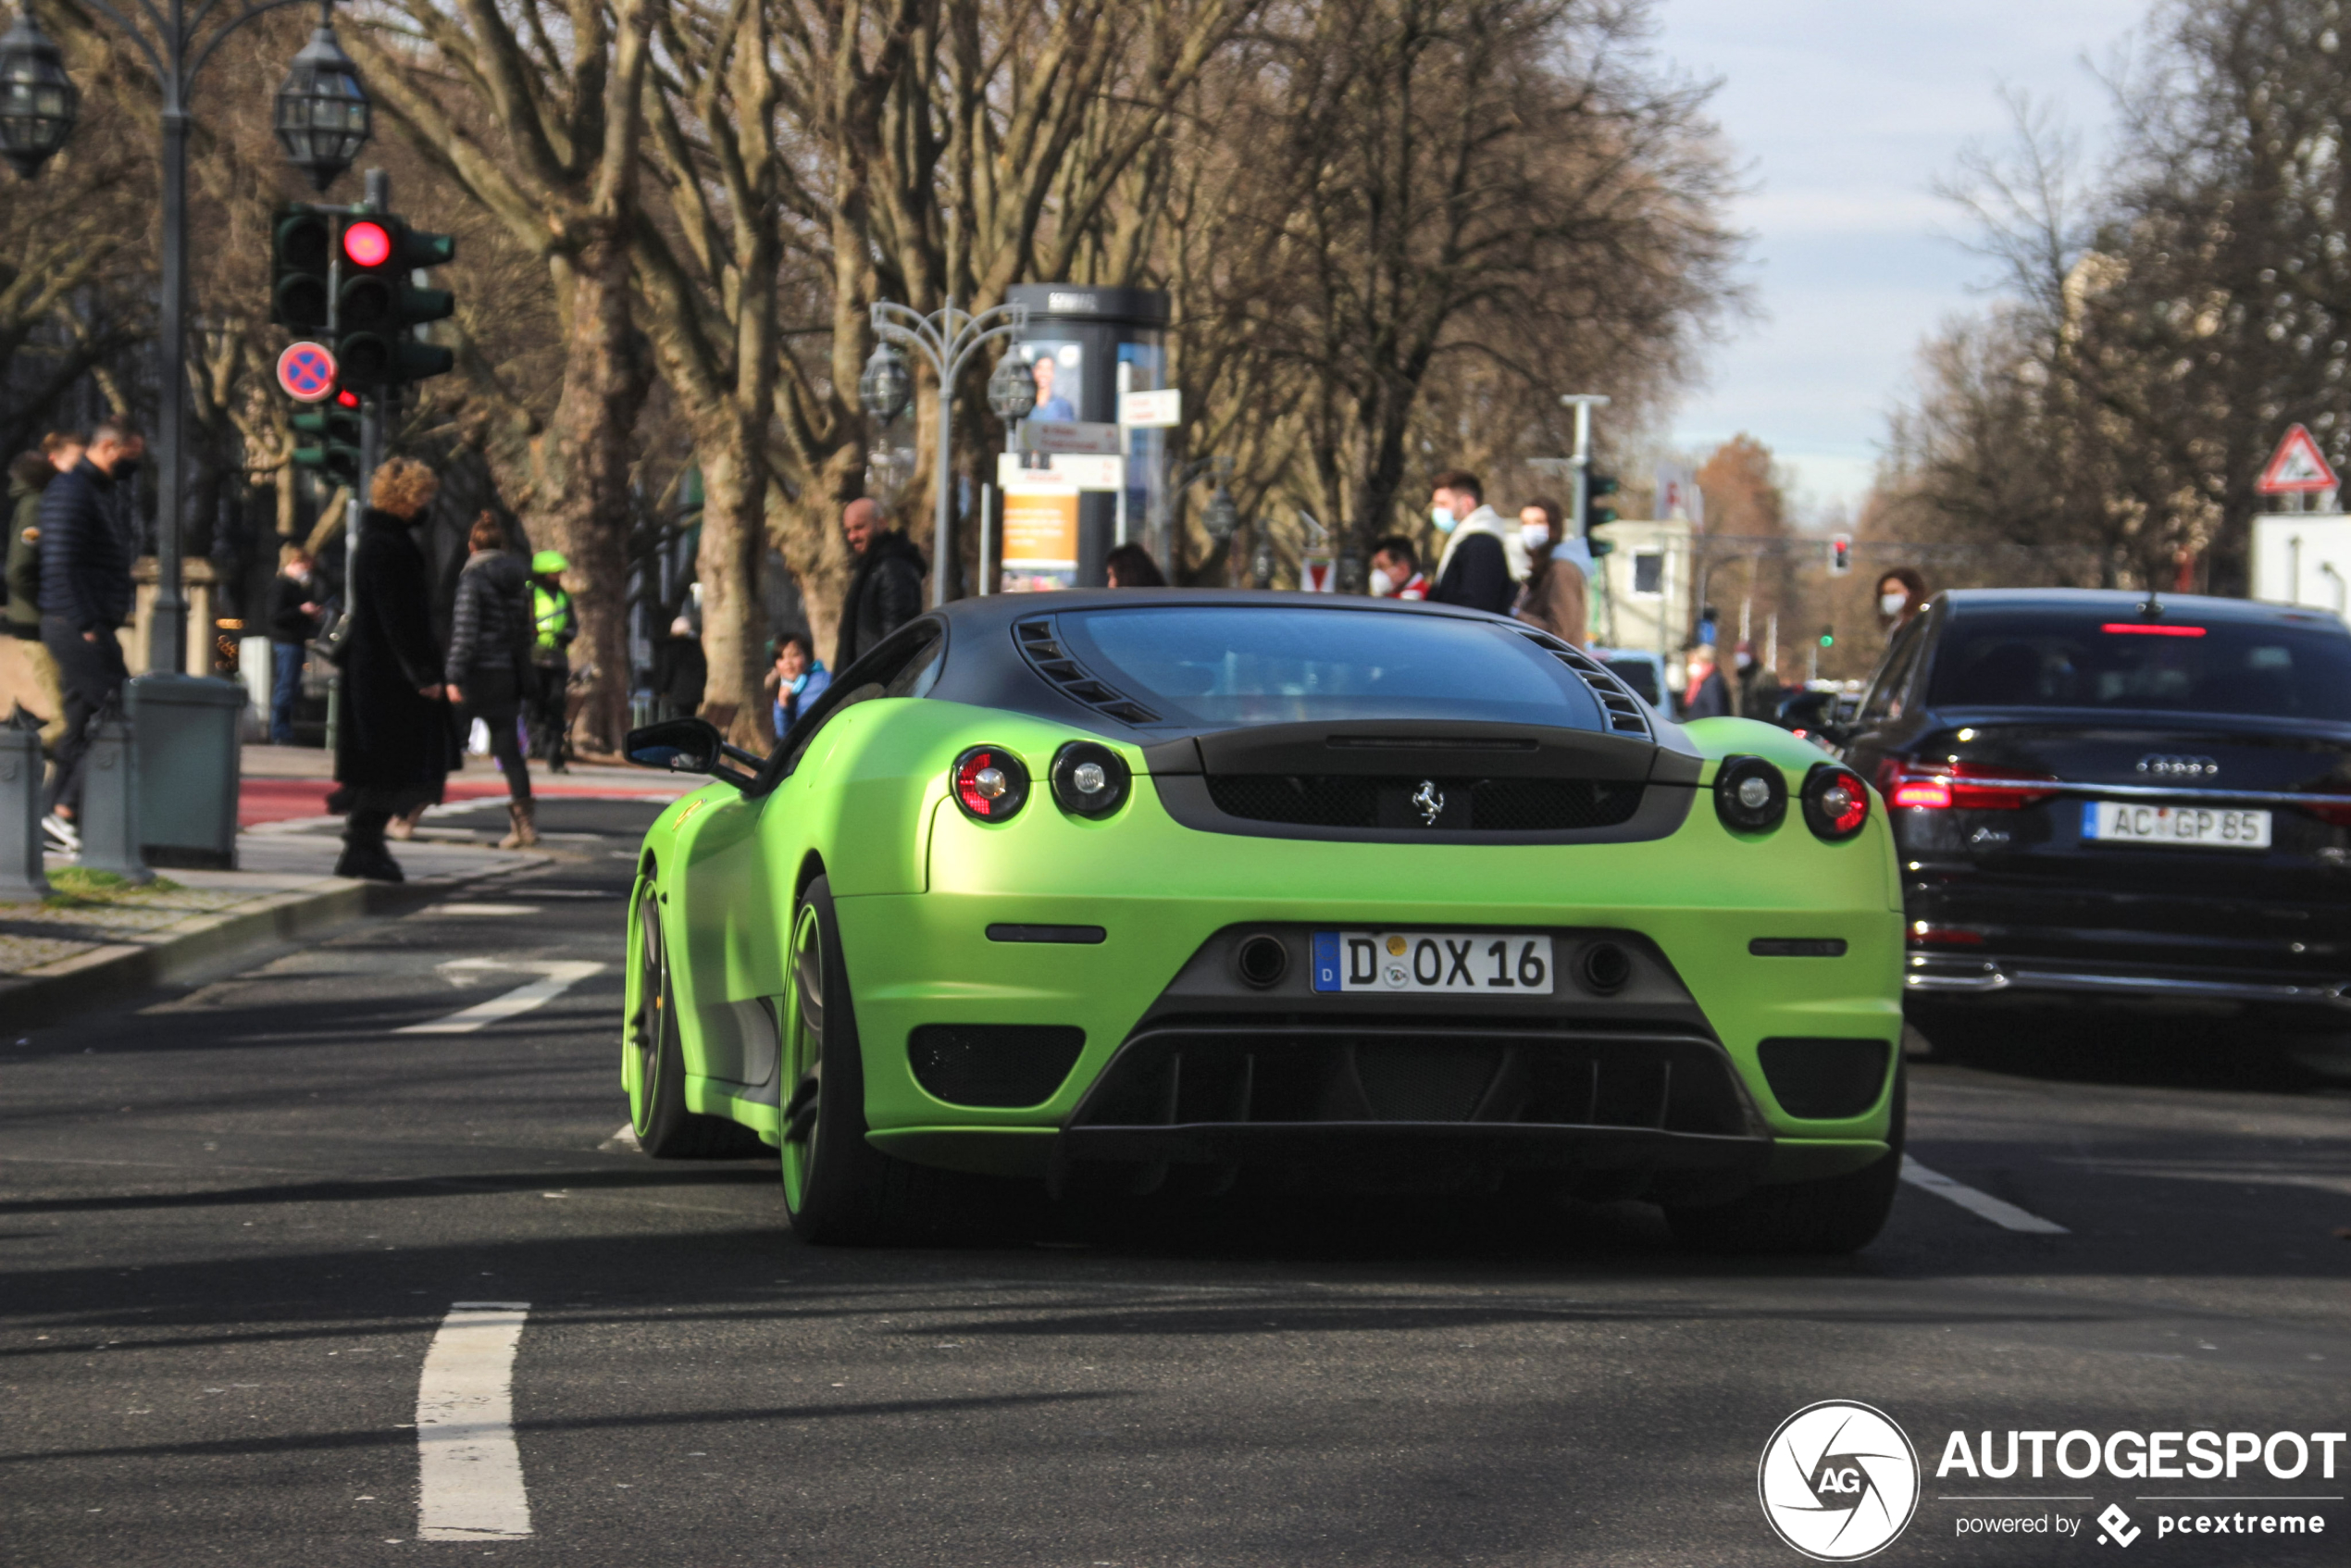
(1805, 710)
(676, 745)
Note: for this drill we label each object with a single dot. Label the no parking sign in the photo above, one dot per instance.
(307, 372)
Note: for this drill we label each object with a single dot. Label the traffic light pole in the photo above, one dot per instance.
(1578, 502)
(168, 631)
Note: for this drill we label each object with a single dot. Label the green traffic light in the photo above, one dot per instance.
(1828, 638)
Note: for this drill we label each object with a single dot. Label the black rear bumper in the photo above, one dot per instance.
(1368, 1108)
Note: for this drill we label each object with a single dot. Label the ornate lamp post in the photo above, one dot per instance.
(323, 119)
(947, 338)
(38, 102)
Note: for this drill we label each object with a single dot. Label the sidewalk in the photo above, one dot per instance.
(93, 940)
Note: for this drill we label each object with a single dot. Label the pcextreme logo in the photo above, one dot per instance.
(1838, 1481)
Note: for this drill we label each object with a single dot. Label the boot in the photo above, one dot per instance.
(404, 827)
(364, 856)
(525, 834)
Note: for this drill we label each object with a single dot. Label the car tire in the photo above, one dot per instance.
(839, 1189)
(1834, 1215)
(654, 1064)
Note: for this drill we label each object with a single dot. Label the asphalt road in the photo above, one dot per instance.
(235, 1217)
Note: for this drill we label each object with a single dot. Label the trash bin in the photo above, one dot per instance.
(186, 726)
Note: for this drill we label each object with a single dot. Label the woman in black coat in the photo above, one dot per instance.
(393, 748)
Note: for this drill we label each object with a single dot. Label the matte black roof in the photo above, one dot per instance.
(985, 666)
(2124, 604)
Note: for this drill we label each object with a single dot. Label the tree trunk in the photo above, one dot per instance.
(734, 617)
(606, 377)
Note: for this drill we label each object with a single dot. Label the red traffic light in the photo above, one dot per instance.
(367, 244)
(346, 398)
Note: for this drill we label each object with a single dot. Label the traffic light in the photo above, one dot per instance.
(1840, 554)
(333, 429)
(377, 310)
(301, 245)
(1828, 637)
(1595, 487)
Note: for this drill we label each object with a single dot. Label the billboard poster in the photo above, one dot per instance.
(1059, 365)
(1041, 539)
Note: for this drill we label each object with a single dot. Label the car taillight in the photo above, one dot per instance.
(1836, 803)
(990, 783)
(1749, 795)
(2335, 812)
(1963, 786)
(1090, 780)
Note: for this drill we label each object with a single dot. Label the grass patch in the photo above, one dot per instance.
(73, 887)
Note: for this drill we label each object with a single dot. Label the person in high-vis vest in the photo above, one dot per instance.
(554, 623)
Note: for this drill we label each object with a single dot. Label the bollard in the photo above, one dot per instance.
(22, 878)
(110, 803)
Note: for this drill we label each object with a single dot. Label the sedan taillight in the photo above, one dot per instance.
(1961, 786)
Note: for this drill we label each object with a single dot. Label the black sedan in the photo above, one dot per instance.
(2119, 797)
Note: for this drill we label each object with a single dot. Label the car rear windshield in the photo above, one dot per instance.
(2070, 659)
(1282, 665)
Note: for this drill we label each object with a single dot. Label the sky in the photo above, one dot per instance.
(1844, 114)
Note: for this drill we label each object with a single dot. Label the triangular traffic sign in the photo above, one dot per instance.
(2297, 467)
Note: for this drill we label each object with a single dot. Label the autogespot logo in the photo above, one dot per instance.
(1838, 1480)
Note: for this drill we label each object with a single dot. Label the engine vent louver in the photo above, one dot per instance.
(1625, 715)
(1049, 659)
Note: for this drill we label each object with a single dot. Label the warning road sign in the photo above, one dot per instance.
(2297, 468)
(307, 372)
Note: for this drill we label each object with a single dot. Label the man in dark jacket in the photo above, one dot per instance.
(85, 594)
(489, 660)
(293, 621)
(29, 477)
(1482, 565)
(886, 593)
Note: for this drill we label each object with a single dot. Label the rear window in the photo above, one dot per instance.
(1215, 665)
(2068, 659)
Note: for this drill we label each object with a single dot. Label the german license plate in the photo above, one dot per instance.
(1488, 962)
(2203, 827)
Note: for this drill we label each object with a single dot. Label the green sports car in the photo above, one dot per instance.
(1243, 894)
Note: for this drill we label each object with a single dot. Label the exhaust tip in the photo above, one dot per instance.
(1263, 961)
(1607, 967)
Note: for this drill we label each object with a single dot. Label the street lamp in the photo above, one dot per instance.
(887, 387)
(1012, 391)
(947, 338)
(322, 119)
(38, 101)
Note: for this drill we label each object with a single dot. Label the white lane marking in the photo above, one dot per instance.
(479, 909)
(622, 1143)
(470, 1469)
(2008, 1216)
(554, 978)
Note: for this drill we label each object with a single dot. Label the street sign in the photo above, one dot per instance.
(1057, 435)
(307, 372)
(1152, 410)
(1318, 574)
(2297, 467)
(1077, 471)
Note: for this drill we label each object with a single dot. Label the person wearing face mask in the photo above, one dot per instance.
(1395, 569)
(1707, 695)
(1485, 560)
(1557, 597)
(1901, 593)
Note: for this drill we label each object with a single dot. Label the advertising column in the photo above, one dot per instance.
(1076, 339)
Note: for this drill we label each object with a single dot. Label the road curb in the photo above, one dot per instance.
(89, 980)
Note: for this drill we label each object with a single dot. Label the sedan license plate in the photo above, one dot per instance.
(1488, 962)
(2203, 827)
